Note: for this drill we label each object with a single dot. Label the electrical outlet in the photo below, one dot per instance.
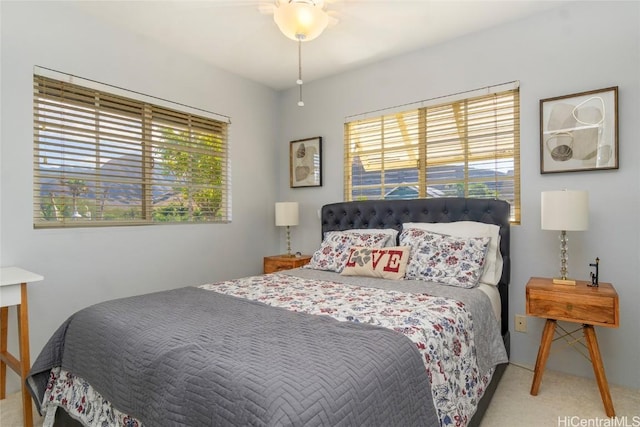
(521, 323)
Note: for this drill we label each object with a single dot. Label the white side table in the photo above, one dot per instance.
(13, 291)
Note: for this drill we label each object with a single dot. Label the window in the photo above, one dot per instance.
(465, 148)
(104, 159)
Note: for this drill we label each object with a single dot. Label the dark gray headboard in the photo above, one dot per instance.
(393, 213)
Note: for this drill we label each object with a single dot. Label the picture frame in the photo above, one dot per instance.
(579, 132)
(305, 162)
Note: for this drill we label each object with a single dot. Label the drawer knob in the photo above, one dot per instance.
(569, 307)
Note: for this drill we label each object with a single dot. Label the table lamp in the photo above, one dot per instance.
(565, 210)
(286, 216)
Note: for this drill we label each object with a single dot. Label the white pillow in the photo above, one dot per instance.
(493, 262)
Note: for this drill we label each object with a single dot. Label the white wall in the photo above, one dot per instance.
(581, 46)
(84, 266)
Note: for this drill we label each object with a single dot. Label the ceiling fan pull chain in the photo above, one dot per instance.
(299, 81)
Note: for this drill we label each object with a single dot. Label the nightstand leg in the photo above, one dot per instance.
(598, 369)
(543, 354)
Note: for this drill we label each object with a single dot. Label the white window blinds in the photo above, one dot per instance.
(105, 159)
(464, 148)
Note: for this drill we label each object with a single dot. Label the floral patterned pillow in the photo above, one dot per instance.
(334, 250)
(453, 261)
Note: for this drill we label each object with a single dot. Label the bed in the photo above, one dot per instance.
(330, 344)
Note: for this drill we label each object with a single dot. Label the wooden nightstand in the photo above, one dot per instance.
(276, 263)
(582, 304)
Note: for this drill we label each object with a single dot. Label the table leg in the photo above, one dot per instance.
(598, 369)
(4, 318)
(25, 363)
(543, 354)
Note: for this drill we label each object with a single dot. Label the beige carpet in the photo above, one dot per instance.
(11, 412)
(563, 400)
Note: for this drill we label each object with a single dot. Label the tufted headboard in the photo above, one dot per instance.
(393, 213)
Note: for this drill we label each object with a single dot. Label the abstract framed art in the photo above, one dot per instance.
(305, 162)
(579, 132)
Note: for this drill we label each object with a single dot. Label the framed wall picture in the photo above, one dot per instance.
(579, 132)
(305, 162)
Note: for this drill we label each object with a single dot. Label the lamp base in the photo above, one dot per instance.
(559, 281)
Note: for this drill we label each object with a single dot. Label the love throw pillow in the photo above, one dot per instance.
(386, 263)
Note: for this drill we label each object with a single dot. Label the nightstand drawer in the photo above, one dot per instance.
(561, 306)
(580, 303)
(277, 263)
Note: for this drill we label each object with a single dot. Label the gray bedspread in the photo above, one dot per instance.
(198, 358)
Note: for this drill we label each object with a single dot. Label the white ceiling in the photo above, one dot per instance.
(237, 36)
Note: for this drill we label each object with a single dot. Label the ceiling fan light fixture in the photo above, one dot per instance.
(301, 20)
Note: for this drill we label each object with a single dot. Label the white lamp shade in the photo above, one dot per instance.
(565, 210)
(286, 213)
(300, 20)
